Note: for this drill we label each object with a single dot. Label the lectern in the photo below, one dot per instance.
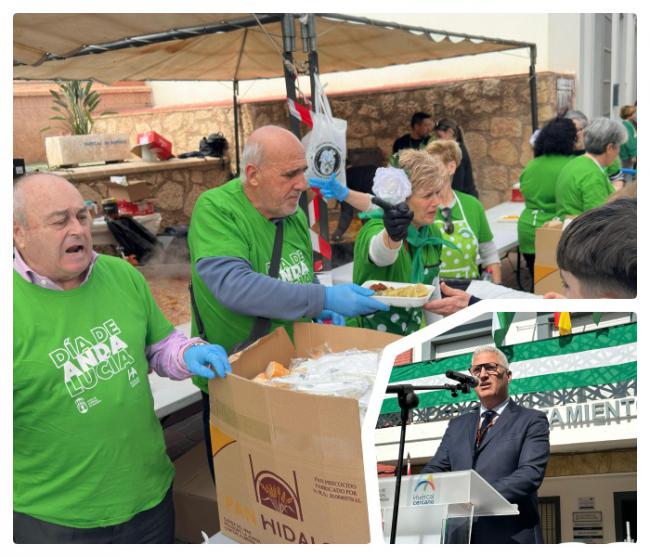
(440, 508)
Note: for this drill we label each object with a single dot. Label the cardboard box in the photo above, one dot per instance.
(195, 500)
(289, 465)
(547, 274)
(65, 150)
(135, 190)
(152, 146)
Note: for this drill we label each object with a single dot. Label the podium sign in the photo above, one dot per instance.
(440, 508)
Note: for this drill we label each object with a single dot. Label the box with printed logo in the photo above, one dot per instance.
(289, 465)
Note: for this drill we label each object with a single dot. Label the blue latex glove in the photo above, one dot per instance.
(351, 300)
(335, 318)
(198, 357)
(330, 188)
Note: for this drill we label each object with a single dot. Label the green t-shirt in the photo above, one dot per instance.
(401, 321)
(537, 183)
(88, 448)
(225, 224)
(628, 149)
(581, 185)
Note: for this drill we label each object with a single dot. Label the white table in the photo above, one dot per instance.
(170, 396)
(505, 237)
(505, 232)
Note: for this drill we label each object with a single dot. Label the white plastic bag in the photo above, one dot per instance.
(325, 143)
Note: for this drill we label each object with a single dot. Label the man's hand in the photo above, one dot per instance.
(335, 318)
(351, 300)
(397, 221)
(453, 300)
(197, 358)
(330, 188)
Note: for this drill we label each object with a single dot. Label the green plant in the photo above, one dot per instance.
(75, 105)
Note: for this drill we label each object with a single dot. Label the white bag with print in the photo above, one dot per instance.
(325, 143)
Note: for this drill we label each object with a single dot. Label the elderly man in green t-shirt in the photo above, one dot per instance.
(90, 464)
(231, 240)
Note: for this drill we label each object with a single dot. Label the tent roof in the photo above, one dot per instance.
(217, 47)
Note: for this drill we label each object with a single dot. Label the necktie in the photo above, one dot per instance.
(487, 416)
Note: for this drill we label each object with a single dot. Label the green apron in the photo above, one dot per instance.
(463, 263)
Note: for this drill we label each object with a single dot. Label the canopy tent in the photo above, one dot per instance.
(109, 47)
(216, 47)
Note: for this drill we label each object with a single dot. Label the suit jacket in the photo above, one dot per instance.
(512, 458)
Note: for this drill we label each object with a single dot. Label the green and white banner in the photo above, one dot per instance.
(599, 357)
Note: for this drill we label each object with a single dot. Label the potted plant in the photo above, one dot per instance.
(75, 104)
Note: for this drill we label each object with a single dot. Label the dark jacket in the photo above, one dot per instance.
(464, 177)
(511, 458)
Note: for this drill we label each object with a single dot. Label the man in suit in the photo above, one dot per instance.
(507, 444)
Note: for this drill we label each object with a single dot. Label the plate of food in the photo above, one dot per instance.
(401, 294)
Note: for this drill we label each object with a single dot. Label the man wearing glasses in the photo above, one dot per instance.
(507, 444)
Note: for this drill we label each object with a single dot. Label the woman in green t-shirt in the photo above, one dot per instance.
(553, 149)
(583, 182)
(628, 149)
(403, 245)
(462, 221)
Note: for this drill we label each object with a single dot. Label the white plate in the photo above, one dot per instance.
(401, 301)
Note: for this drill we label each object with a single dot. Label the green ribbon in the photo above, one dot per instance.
(418, 239)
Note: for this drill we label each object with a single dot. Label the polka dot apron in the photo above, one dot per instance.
(463, 263)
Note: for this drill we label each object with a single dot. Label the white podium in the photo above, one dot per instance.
(440, 508)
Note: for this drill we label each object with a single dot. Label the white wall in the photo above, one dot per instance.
(601, 487)
(555, 36)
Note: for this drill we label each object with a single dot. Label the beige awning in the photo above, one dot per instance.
(249, 51)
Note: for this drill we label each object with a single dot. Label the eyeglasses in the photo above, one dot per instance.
(490, 369)
(449, 225)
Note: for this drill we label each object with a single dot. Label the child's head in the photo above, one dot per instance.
(597, 252)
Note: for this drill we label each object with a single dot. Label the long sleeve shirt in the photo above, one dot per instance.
(165, 357)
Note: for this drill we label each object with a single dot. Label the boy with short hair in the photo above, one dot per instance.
(596, 254)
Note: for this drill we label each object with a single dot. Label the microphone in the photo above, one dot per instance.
(462, 378)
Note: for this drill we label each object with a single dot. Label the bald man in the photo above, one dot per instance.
(90, 464)
(231, 238)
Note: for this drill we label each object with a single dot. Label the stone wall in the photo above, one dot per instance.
(494, 114)
(175, 184)
(603, 462)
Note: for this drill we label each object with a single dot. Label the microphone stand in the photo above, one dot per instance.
(407, 400)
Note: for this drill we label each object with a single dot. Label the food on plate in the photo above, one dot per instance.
(378, 286)
(411, 291)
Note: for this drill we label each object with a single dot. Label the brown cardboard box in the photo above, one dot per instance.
(289, 465)
(63, 150)
(195, 500)
(547, 274)
(136, 190)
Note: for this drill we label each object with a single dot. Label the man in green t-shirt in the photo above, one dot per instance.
(89, 462)
(231, 240)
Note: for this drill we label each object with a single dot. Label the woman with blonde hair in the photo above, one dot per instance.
(403, 245)
(461, 220)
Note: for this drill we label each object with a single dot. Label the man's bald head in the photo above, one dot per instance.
(264, 146)
(273, 171)
(33, 190)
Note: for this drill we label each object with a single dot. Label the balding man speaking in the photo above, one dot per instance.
(252, 266)
(90, 464)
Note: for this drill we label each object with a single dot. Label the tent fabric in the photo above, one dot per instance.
(244, 53)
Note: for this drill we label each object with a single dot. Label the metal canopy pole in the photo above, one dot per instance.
(235, 106)
(288, 46)
(532, 78)
(308, 35)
